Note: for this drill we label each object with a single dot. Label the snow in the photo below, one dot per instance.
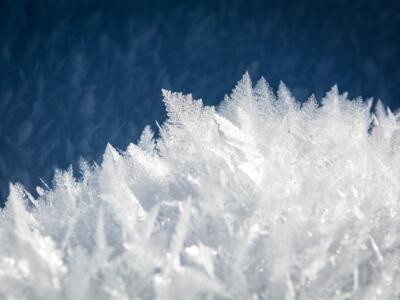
(259, 198)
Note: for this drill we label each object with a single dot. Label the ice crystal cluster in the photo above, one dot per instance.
(260, 198)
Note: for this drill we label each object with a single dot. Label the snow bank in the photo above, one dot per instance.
(261, 198)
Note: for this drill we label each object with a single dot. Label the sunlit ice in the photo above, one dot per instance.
(262, 197)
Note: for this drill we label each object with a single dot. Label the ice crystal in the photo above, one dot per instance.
(261, 198)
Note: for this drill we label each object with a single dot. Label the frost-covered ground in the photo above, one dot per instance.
(76, 74)
(259, 198)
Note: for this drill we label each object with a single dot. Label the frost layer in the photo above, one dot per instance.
(262, 198)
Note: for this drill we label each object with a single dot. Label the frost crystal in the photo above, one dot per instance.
(262, 198)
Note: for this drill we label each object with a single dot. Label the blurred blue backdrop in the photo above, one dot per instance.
(75, 75)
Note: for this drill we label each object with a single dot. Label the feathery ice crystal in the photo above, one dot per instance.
(261, 198)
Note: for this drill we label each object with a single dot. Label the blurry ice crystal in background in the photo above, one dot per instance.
(75, 75)
(259, 198)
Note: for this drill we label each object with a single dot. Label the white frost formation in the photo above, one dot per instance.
(262, 198)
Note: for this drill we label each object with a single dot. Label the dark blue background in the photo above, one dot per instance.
(75, 75)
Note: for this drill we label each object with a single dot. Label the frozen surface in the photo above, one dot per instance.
(260, 198)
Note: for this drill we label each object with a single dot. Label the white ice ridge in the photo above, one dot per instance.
(261, 198)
